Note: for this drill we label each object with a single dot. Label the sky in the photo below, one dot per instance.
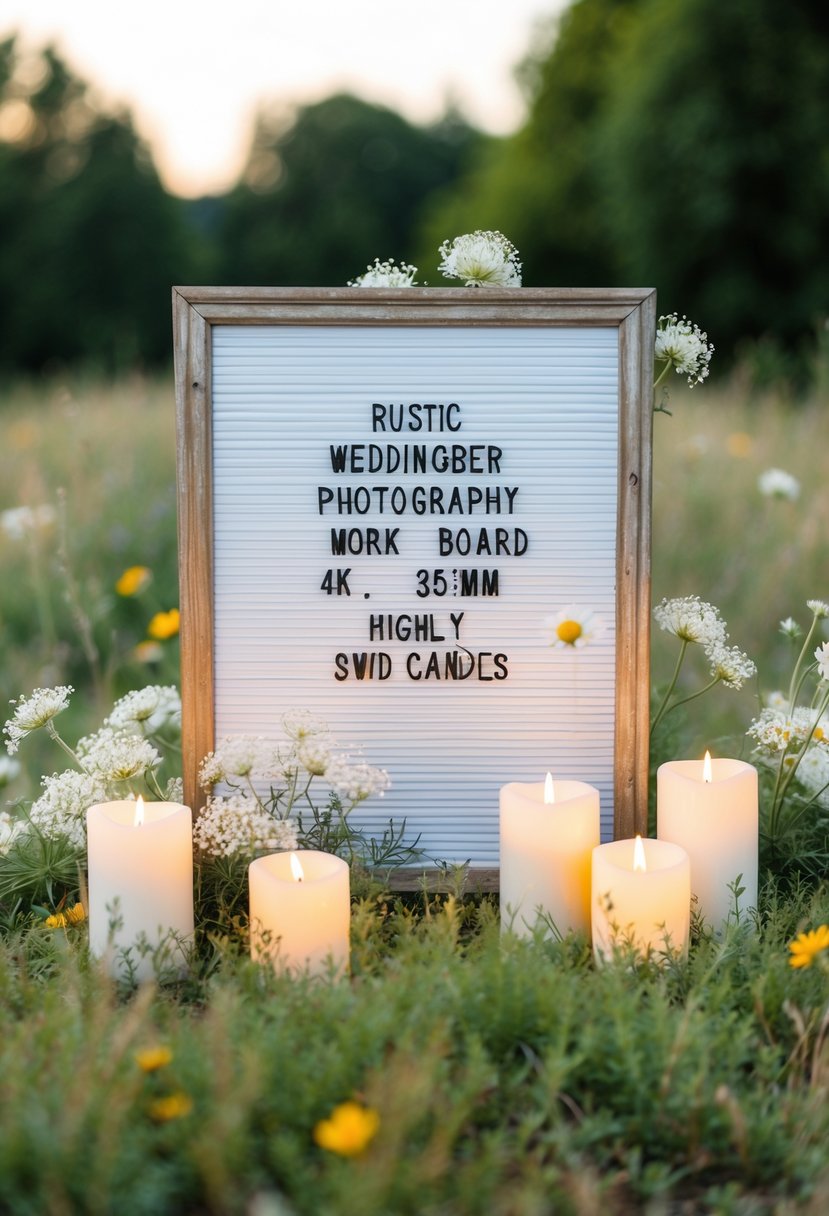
(193, 72)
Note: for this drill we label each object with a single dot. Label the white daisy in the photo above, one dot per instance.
(573, 628)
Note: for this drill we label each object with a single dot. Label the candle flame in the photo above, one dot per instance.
(138, 821)
(707, 775)
(549, 790)
(296, 868)
(639, 860)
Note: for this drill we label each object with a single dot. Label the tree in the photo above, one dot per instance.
(91, 241)
(331, 187)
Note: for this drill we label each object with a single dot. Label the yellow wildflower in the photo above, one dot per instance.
(153, 1058)
(75, 915)
(133, 580)
(164, 625)
(807, 946)
(148, 652)
(172, 1106)
(349, 1130)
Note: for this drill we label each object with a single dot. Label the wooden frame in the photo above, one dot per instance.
(196, 310)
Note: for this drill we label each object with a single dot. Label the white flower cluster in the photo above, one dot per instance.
(692, 620)
(818, 608)
(35, 711)
(777, 483)
(386, 274)
(239, 825)
(247, 756)
(20, 522)
(61, 809)
(354, 780)
(777, 730)
(481, 259)
(115, 756)
(10, 829)
(730, 665)
(151, 710)
(684, 347)
(813, 774)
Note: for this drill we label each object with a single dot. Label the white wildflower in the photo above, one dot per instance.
(35, 711)
(822, 656)
(481, 259)
(813, 774)
(573, 627)
(692, 620)
(298, 724)
(819, 608)
(239, 825)
(777, 700)
(354, 780)
(155, 708)
(9, 770)
(60, 811)
(241, 756)
(174, 790)
(386, 274)
(20, 522)
(115, 756)
(777, 483)
(684, 347)
(314, 754)
(776, 731)
(790, 628)
(10, 829)
(731, 665)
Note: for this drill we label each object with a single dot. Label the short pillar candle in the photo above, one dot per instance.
(140, 881)
(716, 820)
(641, 898)
(300, 912)
(546, 849)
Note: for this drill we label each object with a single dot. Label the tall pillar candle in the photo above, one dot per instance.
(140, 881)
(545, 854)
(300, 911)
(641, 895)
(716, 820)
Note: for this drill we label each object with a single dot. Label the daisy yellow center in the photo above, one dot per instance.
(569, 632)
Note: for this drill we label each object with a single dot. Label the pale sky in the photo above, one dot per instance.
(194, 71)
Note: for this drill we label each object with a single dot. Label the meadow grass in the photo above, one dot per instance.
(512, 1079)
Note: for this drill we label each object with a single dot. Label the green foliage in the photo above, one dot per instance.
(508, 1076)
(330, 188)
(92, 241)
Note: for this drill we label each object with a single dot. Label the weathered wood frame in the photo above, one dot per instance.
(632, 311)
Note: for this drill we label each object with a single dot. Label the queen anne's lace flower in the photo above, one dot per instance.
(481, 259)
(61, 808)
(819, 607)
(241, 756)
(386, 274)
(777, 483)
(731, 665)
(684, 346)
(776, 731)
(354, 780)
(239, 825)
(298, 724)
(154, 708)
(35, 711)
(314, 754)
(117, 756)
(692, 620)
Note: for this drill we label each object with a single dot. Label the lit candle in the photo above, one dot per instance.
(300, 911)
(641, 895)
(548, 833)
(140, 881)
(711, 809)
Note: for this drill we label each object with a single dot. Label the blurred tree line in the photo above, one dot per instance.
(681, 144)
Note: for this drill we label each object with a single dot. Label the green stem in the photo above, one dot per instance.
(694, 695)
(52, 731)
(794, 767)
(152, 784)
(797, 680)
(663, 707)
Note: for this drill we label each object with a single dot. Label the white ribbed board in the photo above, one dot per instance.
(548, 398)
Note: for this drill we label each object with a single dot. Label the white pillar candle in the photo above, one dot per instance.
(717, 822)
(545, 855)
(300, 917)
(644, 907)
(140, 880)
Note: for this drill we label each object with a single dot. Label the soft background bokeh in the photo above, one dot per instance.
(680, 144)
